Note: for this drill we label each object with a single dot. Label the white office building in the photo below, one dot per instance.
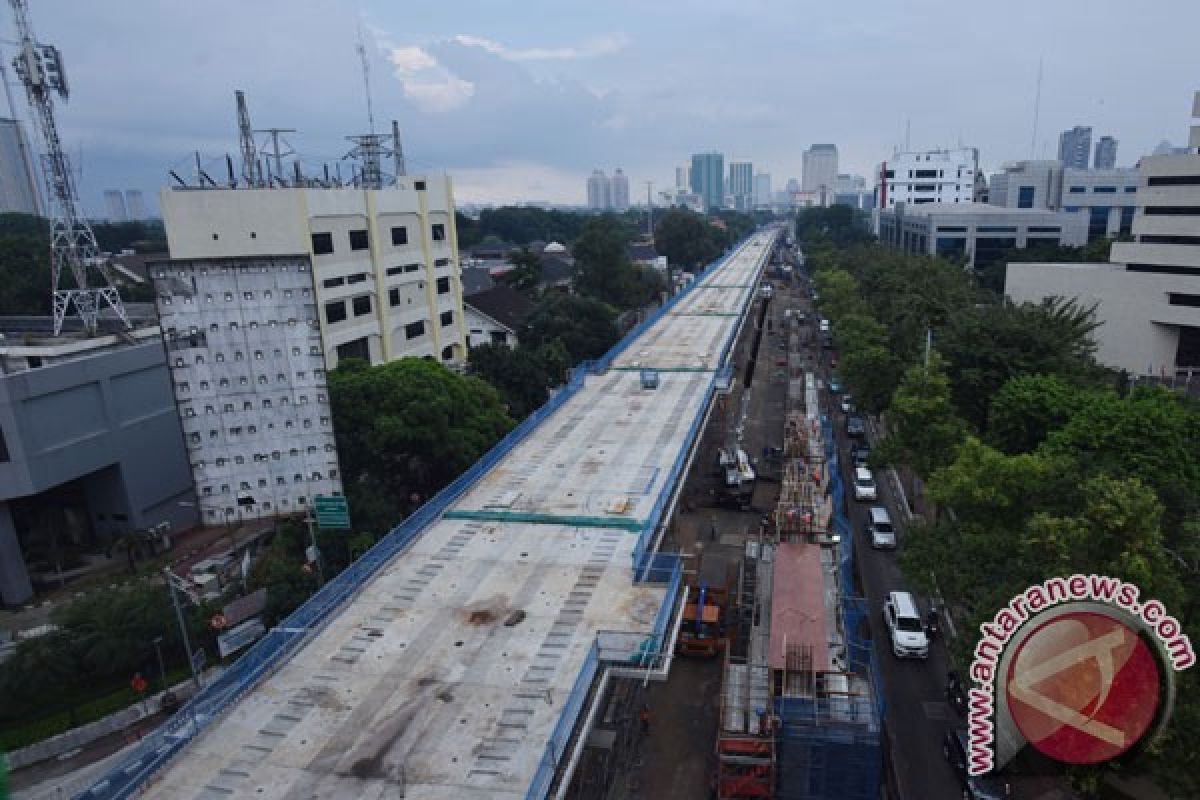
(599, 191)
(927, 176)
(135, 205)
(762, 190)
(114, 206)
(1147, 297)
(1107, 196)
(820, 163)
(620, 191)
(741, 185)
(976, 232)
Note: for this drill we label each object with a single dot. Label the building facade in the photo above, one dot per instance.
(114, 206)
(385, 262)
(1107, 196)
(135, 204)
(976, 232)
(820, 168)
(708, 179)
(90, 447)
(741, 184)
(1106, 153)
(1075, 147)
(599, 191)
(762, 190)
(620, 191)
(18, 184)
(243, 342)
(1147, 297)
(928, 176)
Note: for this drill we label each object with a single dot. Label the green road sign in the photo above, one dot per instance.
(332, 512)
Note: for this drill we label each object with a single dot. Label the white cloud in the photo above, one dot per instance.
(604, 45)
(429, 85)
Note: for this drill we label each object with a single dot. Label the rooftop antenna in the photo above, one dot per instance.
(366, 70)
(72, 242)
(370, 149)
(907, 135)
(250, 171)
(650, 208)
(1037, 107)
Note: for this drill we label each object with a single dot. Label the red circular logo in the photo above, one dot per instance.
(1083, 687)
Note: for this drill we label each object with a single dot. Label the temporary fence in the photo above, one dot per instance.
(157, 748)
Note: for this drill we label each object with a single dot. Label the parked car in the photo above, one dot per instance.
(856, 426)
(847, 404)
(864, 484)
(904, 625)
(824, 324)
(835, 384)
(955, 747)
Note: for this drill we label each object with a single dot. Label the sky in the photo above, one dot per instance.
(519, 101)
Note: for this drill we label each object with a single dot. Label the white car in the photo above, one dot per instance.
(864, 484)
(824, 325)
(904, 625)
(880, 529)
(847, 404)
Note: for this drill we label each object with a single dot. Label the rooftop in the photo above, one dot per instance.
(503, 304)
(968, 209)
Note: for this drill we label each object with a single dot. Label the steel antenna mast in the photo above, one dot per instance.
(72, 243)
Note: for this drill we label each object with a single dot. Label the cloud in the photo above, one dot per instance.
(594, 47)
(429, 85)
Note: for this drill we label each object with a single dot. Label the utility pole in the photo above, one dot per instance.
(277, 154)
(183, 631)
(650, 208)
(316, 551)
(250, 172)
(398, 151)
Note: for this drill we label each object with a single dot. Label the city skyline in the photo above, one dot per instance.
(447, 76)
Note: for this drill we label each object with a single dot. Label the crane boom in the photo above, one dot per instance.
(80, 278)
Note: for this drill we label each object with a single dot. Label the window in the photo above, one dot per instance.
(414, 330)
(419, 185)
(399, 235)
(322, 243)
(1044, 229)
(1157, 239)
(1161, 269)
(1181, 299)
(330, 283)
(1172, 211)
(442, 262)
(362, 305)
(335, 312)
(358, 240)
(1130, 189)
(394, 297)
(498, 337)
(439, 232)
(356, 278)
(358, 348)
(995, 229)
(1077, 189)
(1025, 197)
(411, 267)
(448, 353)
(394, 270)
(1097, 221)
(951, 229)
(1174, 180)
(443, 285)
(447, 318)
(1104, 189)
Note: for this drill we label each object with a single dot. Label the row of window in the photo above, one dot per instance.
(259, 355)
(276, 455)
(166, 299)
(266, 506)
(235, 431)
(253, 325)
(248, 405)
(348, 280)
(244, 380)
(226, 270)
(244, 486)
(322, 243)
(335, 310)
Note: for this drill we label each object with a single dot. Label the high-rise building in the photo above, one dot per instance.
(1107, 195)
(599, 191)
(762, 190)
(1075, 147)
(18, 189)
(266, 290)
(741, 184)
(135, 205)
(928, 176)
(114, 206)
(620, 191)
(708, 178)
(1106, 153)
(683, 177)
(820, 168)
(793, 186)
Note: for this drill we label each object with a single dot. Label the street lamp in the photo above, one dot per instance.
(183, 631)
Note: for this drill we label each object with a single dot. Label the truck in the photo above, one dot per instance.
(703, 631)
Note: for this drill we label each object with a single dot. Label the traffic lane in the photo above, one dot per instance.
(917, 713)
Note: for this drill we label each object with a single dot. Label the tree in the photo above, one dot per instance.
(526, 273)
(586, 327)
(411, 425)
(1028, 408)
(835, 225)
(688, 240)
(985, 346)
(924, 432)
(604, 269)
(523, 375)
(24, 272)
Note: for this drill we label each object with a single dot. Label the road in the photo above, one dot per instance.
(917, 714)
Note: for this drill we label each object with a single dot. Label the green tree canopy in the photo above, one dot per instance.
(523, 375)
(924, 431)
(688, 240)
(526, 273)
(605, 271)
(1028, 408)
(411, 425)
(585, 326)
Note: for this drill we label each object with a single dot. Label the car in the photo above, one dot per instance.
(847, 404)
(880, 528)
(856, 426)
(824, 325)
(835, 384)
(904, 625)
(955, 747)
(860, 454)
(864, 484)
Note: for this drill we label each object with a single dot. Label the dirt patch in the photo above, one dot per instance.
(481, 617)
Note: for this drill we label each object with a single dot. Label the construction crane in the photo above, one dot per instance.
(80, 277)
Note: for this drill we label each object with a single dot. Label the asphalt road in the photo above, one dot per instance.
(917, 713)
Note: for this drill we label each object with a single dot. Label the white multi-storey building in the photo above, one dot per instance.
(741, 184)
(135, 204)
(114, 206)
(620, 190)
(930, 176)
(599, 191)
(762, 190)
(820, 163)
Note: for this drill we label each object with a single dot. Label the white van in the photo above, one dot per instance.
(904, 624)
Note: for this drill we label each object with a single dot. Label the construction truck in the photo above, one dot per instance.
(703, 631)
(737, 478)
